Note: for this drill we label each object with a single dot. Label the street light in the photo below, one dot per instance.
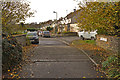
(56, 14)
(55, 21)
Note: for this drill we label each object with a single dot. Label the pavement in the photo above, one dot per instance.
(52, 58)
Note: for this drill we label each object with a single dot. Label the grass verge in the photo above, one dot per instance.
(107, 60)
(98, 54)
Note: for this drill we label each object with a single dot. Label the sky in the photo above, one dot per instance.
(45, 9)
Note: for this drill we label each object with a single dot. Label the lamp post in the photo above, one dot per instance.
(56, 14)
(55, 27)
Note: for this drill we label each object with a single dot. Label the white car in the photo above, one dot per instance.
(87, 35)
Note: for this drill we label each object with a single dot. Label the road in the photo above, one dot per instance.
(54, 59)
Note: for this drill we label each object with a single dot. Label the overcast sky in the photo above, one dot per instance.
(45, 9)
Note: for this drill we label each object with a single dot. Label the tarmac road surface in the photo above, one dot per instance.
(54, 59)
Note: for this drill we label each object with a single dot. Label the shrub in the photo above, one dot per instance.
(111, 67)
(31, 29)
(28, 41)
(49, 28)
(65, 32)
(58, 32)
(15, 33)
(12, 53)
(70, 33)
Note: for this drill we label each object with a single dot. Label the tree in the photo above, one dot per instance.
(49, 28)
(101, 16)
(13, 12)
(22, 24)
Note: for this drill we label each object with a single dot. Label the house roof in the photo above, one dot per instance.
(46, 23)
(72, 14)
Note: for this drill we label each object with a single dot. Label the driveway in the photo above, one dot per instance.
(54, 59)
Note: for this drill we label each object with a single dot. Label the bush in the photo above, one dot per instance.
(65, 32)
(15, 33)
(58, 32)
(70, 33)
(49, 28)
(31, 29)
(28, 41)
(111, 67)
(12, 53)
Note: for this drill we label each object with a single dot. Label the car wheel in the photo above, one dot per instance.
(37, 42)
(82, 38)
(92, 38)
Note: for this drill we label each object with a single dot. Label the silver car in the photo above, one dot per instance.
(46, 34)
(33, 37)
(40, 33)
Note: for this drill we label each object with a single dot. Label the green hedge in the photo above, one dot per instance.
(32, 29)
(70, 33)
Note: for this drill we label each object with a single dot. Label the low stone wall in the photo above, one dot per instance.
(108, 42)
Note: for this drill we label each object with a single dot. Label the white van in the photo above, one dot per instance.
(87, 35)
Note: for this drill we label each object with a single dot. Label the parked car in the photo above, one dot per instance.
(40, 33)
(46, 34)
(87, 35)
(33, 37)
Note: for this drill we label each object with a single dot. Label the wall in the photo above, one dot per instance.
(108, 42)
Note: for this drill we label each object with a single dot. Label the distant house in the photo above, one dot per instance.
(60, 25)
(46, 24)
(68, 23)
(72, 24)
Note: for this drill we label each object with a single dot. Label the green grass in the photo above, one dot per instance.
(77, 42)
(16, 33)
(90, 41)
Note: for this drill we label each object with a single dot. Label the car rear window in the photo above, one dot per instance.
(46, 32)
(32, 34)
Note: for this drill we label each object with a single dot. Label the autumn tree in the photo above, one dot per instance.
(13, 12)
(103, 16)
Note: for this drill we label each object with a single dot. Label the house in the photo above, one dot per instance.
(61, 25)
(46, 24)
(68, 23)
(71, 21)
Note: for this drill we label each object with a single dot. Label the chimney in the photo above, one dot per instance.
(74, 10)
